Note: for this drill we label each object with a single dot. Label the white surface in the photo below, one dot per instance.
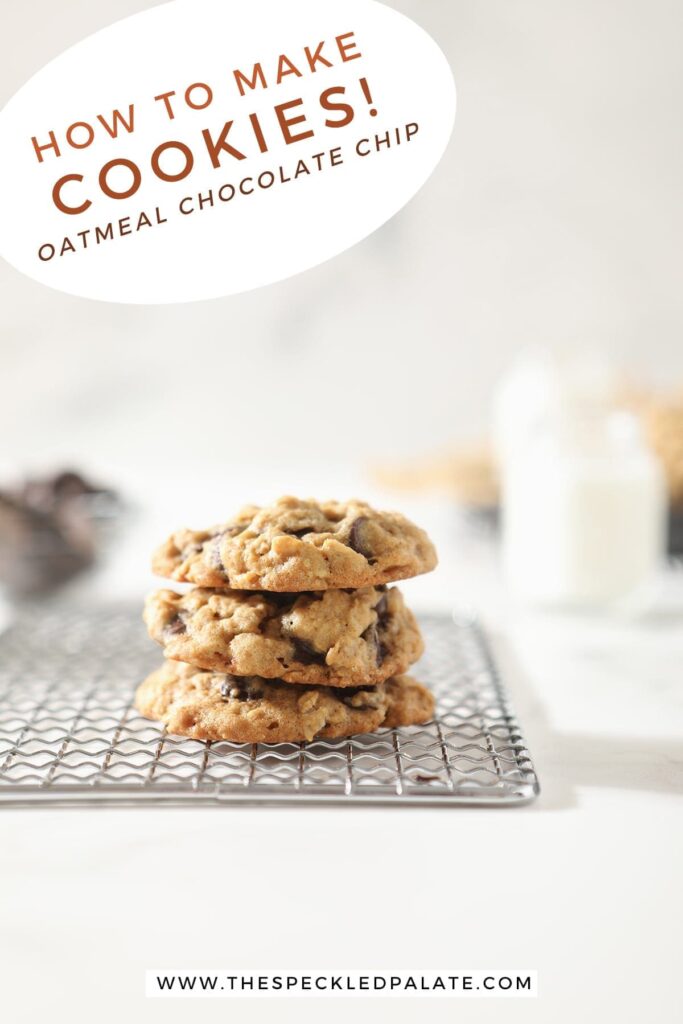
(584, 886)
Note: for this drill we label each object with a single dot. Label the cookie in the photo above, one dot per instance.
(215, 706)
(326, 637)
(295, 545)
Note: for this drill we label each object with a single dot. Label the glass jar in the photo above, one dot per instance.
(584, 510)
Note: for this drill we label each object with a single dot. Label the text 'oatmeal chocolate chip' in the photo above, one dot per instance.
(306, 654)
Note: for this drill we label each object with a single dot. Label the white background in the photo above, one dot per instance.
(554, 219)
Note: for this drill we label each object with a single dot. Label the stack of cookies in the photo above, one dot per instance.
(290, 632)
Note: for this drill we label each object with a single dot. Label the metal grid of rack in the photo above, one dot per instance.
(69, 733)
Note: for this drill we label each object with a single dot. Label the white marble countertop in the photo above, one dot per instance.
(583, 886)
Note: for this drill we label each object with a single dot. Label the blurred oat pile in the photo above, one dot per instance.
(468, 473)
(662, 420)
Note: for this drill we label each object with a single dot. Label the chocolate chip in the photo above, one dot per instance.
(241, 689)
(358, 537)
(306, 654)
(213, 552)
(382, 607)
(282, 599)
(370, 634)
(342, 692)
(71, 483)
(212, 547)
(233, 531)
(175, 627)
(372, 638)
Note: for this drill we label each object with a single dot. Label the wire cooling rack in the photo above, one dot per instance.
(69, 733)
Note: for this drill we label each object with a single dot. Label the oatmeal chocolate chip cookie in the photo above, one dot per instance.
(215, 706)
(327, 637)
(410, 703)
(295, 545)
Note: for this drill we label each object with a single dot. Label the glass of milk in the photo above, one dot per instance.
(584, 504)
